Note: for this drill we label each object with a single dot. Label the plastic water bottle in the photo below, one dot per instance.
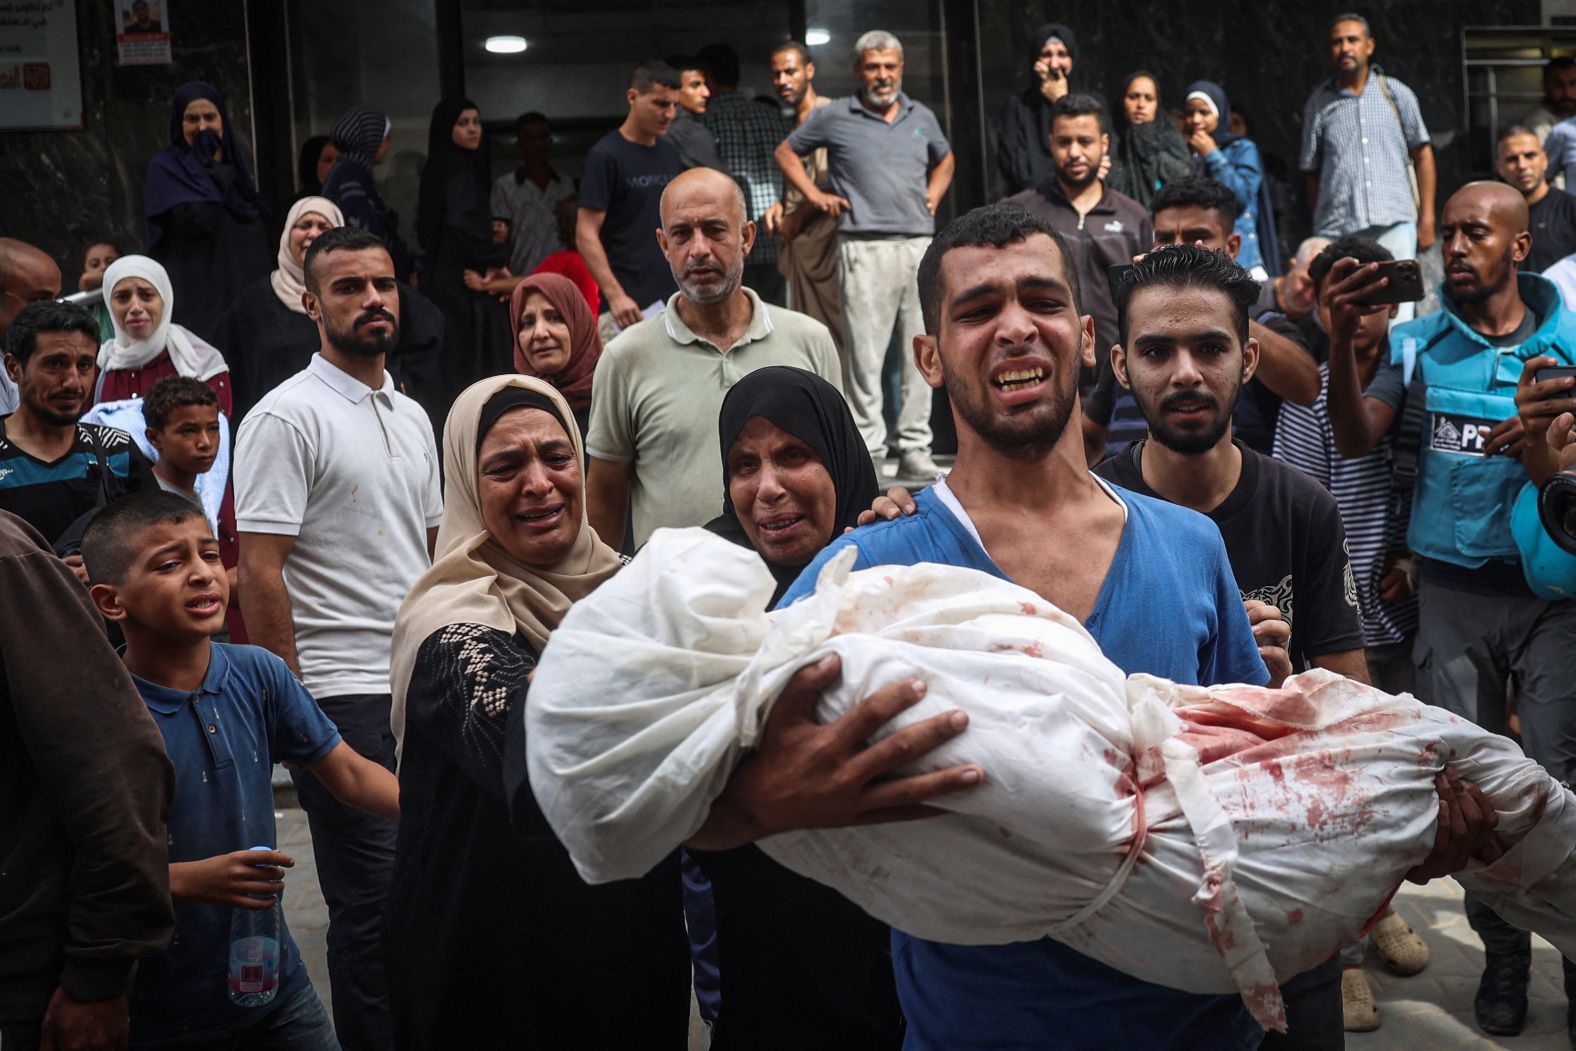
(254, 953)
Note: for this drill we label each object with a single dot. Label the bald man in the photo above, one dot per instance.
(659, 385)
(1482, 625)
(27, 275)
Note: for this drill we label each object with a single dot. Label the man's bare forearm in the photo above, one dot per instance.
(267, 611)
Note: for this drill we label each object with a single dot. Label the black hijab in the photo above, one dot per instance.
(810, 409)
(306, 166)
(444, 159)
(183, 174)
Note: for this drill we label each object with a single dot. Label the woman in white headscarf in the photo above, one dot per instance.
(148, 344)
(269, 338)
(490, 933)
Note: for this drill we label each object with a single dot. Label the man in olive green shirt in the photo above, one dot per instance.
(659, 386)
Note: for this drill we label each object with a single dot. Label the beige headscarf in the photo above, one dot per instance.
(472, 580)
(288, 280)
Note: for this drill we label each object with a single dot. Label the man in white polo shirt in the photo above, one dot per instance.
(337, 503)
(659, 386)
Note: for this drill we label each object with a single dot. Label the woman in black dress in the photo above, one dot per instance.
(454, 226)
(801, 967)
(206, 223)
(491, 938)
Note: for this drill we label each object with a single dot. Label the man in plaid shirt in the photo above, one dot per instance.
(1360, 129)
(747, 132)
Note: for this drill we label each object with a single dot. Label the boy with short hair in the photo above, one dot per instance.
(226, 713)
(183, 427)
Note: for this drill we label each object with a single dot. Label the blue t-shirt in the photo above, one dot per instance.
(1170, 607)
(223, 740)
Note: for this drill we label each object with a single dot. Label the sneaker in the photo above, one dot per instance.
(917, 466)
(1358, 1010)
(1501, 1002)
(1401, 948)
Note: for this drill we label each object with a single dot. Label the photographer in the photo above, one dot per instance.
(1485, 617)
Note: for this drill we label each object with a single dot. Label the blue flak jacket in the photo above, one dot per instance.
(1463, 499)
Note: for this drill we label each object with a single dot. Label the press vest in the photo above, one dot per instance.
(1462, 504)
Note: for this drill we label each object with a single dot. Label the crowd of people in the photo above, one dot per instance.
(328, 512)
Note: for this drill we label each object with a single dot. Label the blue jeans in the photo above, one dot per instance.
(297, 1023)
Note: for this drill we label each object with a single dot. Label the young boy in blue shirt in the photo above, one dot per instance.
(227, 714)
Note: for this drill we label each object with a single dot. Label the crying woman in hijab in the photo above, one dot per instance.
(206, 222)
(795, 470)
(1023, 150)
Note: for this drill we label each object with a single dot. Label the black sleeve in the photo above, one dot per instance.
(418, 359)
(192, 219)
(1282, 325)
(1388, 385)
(139, 473)
(1014, 139)
(1326, 618)
(467, 680)
(468, 224)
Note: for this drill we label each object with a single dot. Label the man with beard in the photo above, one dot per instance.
(337, 502)
(1363, 141)
(1551, 213)
(659, 386)
(890, 165)
(1149, 579)
(54, 470)
(807, 252)
(1005, 335)
(27, 275)
(1482, 623)
(1186, 354)
(1559, 98)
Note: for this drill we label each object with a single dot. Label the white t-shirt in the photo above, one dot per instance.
(352, 474)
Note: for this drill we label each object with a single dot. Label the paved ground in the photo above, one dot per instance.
(1433, 1010)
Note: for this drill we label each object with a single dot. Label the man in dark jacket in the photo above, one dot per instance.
(84, 791)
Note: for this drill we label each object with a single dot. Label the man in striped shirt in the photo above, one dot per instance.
(1375, 527)
(1358, 129)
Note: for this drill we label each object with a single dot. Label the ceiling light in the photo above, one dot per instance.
(817, 37)
(505, 45)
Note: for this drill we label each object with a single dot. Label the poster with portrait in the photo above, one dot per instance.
(142, 33)
(40, 75)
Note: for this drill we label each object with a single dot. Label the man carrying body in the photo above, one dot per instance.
(659, 386)
(891, 166)
(337, 502)
(1551, 213)
(621, 186)
(697, 147)
(1150, 580)
(807, 251)
(26, 276)
(1480, 621)
(528, 196)
(1358, 129)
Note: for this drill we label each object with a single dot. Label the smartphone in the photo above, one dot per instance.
(1553, 372)
(1406, 282)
